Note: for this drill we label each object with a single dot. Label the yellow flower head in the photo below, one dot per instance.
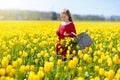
(40, 74)
(101, 71)
(22, 68)
(48, 66)
(2, 71)
(5, 62)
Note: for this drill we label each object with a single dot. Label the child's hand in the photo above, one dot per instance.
(86, 30)
(73, 33)
(57, 31)
(65, 34)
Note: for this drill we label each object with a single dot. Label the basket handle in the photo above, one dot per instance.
(74, 35)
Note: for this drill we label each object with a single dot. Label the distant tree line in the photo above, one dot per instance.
(36, 15)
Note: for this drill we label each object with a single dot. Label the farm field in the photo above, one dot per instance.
(28, 52)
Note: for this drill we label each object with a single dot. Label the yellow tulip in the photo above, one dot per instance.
(65, 68)
(80, 69)
(19, 61)
(28, 46)
(90, 50)
(5, 62)
(22, 68)
(106, 79)
(116, 59)
(9, 69)
(96, 68)
(71, 64)
(3, 78)
(59, 62)
(114, 50)
(75, 60)
(101, 71)
(51, 59)
(2, 71)
(48, 66)
(110, 74)
(80, 53)
(32, 67)
(110, 63)
(40, 74)
(41, 69)
(15, 64)
(86, 57)
(9, 57)
(36, 61)
(31, 75)
(80, 78)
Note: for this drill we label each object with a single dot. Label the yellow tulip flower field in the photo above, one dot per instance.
(28, 52)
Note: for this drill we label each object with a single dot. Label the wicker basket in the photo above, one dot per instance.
(83, 40)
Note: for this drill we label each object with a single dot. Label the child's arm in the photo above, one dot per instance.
(72, 32)
(58, 32)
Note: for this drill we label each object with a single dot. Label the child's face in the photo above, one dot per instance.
(64, 18)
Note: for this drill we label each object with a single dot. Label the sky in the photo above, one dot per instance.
(81, 7)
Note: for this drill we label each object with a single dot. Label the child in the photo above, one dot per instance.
(66, 29)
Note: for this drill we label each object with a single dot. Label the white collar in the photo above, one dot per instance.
(66, 23)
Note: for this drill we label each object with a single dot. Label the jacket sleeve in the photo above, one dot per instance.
(72, 30)
(58, 31)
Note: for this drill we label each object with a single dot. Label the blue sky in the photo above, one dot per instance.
(83, 7)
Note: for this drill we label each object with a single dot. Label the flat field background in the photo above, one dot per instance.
(27, 52)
